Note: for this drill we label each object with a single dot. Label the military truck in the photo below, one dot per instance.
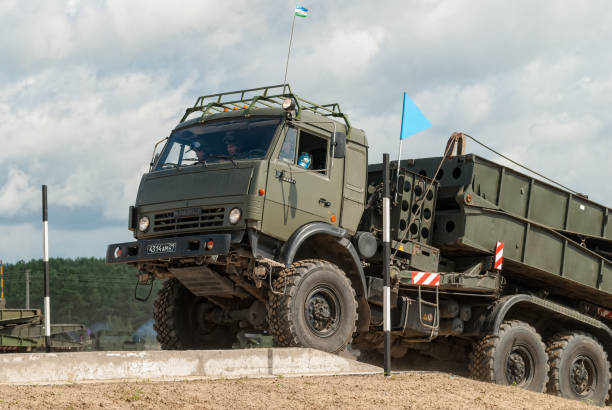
(261, 213)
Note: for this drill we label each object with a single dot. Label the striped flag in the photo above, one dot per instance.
(301, 11)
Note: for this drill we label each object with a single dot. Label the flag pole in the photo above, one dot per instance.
(288, 54)
(399, 158)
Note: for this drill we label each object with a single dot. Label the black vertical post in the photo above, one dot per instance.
(386, 262)
(47, 302)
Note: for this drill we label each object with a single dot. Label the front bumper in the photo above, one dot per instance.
(168, 248)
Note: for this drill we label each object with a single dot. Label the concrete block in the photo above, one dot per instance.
(82, 367)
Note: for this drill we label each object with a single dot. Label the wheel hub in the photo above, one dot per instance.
(322, 311)
(519, 366)
(582, 375)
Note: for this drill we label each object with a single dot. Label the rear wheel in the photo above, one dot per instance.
(180, 320)
(313, 305)
(514, 356)
(579, 368)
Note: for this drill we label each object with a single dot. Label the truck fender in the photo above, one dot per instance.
(351, 265)
(494, 320)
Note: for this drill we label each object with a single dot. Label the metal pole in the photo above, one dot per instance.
(386, 260)
(47, 301)
(288, 53)
(27, 286)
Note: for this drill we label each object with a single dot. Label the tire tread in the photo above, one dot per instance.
(281, 325)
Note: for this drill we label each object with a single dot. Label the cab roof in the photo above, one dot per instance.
(268, 101)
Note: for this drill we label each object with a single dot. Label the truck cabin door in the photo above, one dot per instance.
(302, 186)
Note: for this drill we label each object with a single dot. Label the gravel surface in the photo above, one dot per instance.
(413, 390)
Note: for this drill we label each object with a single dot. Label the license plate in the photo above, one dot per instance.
(168, 247)
(186, 212)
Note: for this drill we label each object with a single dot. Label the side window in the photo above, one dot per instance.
(312, 152)
(287, 153)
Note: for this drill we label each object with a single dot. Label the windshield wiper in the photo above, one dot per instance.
(223, 156)
(198, 161)
(177, 166)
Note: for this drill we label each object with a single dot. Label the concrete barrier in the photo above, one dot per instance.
(53, 368)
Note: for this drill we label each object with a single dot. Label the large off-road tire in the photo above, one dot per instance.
(579, 368)
(180, 324)
(514, 356)
(313, 305)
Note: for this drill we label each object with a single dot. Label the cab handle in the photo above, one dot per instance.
(324, 202)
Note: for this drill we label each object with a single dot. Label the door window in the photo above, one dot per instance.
(312, 152)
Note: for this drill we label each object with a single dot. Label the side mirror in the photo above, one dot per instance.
(154, 161)
(156, 154)
(340, 145)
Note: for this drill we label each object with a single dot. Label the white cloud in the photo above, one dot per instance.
(89, 140)
(18, 194)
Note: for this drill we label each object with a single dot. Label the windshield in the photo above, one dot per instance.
(218, 141)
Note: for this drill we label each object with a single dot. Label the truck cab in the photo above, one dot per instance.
(247, 184)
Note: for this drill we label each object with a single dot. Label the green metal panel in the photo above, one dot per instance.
(542, 250)
(18, 315)
(514, 191)
(354, 190)
(533, 253)
(606, 278)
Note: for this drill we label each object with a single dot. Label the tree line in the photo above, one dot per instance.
(83, 290)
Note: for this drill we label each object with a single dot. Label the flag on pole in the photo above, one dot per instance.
(301, 11)
(413, 120)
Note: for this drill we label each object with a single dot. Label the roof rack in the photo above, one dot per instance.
(262, 97)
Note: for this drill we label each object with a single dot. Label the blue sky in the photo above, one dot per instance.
(88, 87)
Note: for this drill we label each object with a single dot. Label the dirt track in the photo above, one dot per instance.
(408, 390)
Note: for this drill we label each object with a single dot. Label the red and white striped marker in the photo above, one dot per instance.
(499, 256)
(604, 313)
(425, 279)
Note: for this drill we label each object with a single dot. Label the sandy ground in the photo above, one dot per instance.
(408, 390)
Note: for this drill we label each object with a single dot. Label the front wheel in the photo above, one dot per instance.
(313, 305)
(180, 321)
(579, 368)
(514, 356)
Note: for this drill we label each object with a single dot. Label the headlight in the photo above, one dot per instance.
(234, 216)
(143, 223)
(289, 104)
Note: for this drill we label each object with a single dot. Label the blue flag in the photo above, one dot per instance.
(413, 120)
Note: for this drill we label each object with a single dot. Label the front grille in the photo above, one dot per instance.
(176, 221)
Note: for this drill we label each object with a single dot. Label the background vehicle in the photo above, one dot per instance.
(251, 240)
(22, 330)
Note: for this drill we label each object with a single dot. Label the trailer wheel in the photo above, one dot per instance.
(579, 368)
(313, 305)
(514, 356)
(179, 321)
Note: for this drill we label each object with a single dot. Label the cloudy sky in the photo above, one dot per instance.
(88, 87)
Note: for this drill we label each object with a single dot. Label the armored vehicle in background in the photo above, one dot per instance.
(261, 213)
(22, 330)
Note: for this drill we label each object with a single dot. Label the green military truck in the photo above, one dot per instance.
(261, 213)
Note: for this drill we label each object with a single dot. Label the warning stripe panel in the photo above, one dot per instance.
(499, 256)
(426, 278)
